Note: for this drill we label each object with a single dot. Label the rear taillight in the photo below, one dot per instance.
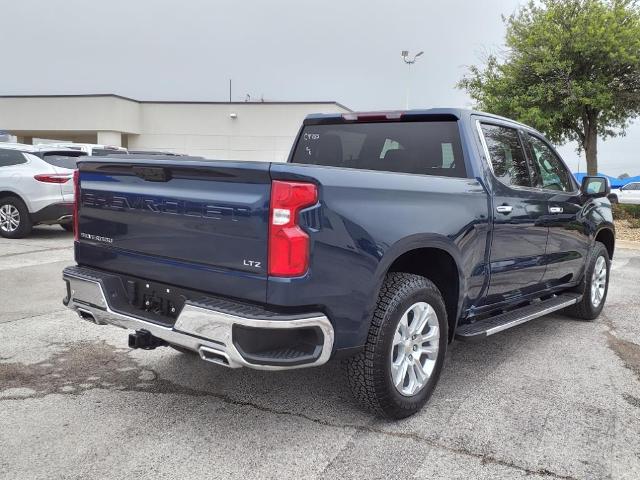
(53, 177)
(76, 204)
(288, 243)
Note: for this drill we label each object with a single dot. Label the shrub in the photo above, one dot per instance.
(626, 212)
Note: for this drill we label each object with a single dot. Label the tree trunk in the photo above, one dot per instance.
(591, 145)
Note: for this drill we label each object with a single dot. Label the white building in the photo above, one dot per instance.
(221, 130)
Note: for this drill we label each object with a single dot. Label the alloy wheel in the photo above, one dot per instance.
(598, 281)
(9, 218)
(415, 348)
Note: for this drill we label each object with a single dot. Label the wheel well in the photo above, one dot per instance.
(438, 266)
(606, 237)
(9, 194)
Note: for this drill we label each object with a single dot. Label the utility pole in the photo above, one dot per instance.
(229, 90)
(409, 61)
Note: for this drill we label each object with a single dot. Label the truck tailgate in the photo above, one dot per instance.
(200, 224)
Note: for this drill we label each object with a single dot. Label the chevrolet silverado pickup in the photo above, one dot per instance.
(384, 237)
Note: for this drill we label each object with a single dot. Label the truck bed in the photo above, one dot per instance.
(203, 226)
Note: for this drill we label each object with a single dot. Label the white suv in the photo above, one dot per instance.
(630, 193)
(36, 187)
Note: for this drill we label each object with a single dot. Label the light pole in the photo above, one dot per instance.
(409, 62)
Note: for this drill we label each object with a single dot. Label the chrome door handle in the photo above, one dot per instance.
(555, 209)
(504, 209)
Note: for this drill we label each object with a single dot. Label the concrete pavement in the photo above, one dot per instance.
(554, 398)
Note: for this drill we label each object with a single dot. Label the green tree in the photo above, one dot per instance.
(622, 176)
(571, 69)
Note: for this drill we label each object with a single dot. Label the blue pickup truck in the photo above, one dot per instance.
(385, 236)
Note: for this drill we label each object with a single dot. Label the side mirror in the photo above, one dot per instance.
(595, 187)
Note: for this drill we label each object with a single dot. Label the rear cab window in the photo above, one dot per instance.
(103, 152)
(417, 147)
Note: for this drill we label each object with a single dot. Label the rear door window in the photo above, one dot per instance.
(11, 157)
(506, 154)
(426, 148)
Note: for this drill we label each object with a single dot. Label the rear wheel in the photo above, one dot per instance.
(398, 369)
(594, 286)
(67, 226)
(14, 218)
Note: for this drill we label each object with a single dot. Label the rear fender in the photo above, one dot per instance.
(415, 242)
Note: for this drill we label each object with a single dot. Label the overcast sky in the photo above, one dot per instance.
(342, 50)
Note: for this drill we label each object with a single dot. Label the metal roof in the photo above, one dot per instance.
(92, 95)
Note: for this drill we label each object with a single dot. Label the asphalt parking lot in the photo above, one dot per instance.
(554, 398)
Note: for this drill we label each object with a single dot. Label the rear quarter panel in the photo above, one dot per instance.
(364, 221)
(20, 180)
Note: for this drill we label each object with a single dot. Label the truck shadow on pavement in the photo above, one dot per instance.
(77, 367)
(81, 366)
(52, 232)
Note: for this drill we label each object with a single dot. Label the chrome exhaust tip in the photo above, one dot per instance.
(214, 356)
(86, 315)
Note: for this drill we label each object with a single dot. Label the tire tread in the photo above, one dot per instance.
(367, 385)
(583, 310)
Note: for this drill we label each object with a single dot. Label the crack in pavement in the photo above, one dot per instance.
(82, 366)
(34, 316)
(35, 251)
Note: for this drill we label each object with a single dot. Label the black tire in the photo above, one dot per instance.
(24, 220)
(585, 309)
(67, 226)
(613, 198)
(369, 372)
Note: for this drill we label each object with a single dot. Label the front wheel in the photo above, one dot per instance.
(398, 369)
(594, 286)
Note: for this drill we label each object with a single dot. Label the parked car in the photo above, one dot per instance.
(35, 187)
(45, 150)
(384, 237)
(90, 148)
(629, 193)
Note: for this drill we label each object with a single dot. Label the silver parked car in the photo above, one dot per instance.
(36, 187)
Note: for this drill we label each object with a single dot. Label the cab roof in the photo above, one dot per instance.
(406, 115)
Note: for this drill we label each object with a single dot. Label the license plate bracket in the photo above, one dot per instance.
(162, 302)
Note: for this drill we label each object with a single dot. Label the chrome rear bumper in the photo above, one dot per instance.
(206, 331)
